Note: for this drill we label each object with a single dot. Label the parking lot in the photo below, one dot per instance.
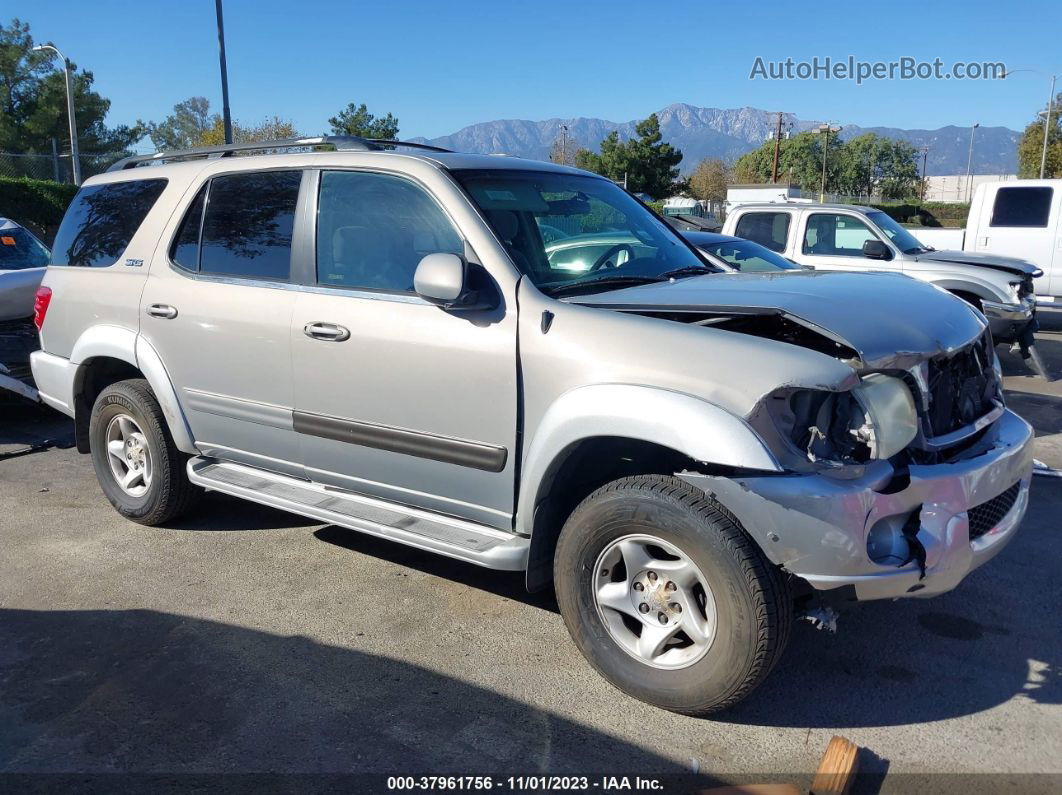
(243, 639)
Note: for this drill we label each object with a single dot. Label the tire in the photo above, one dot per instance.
(753, 609)
(128, 413)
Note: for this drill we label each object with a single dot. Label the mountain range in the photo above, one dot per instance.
(729, 133)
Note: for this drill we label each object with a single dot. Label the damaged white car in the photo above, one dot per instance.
(393, 340)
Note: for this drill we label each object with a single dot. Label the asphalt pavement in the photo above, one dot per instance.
(246, 640)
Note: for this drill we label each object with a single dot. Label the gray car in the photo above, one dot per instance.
(379, 338)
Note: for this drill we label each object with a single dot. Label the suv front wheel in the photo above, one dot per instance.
(667, 597)
(138, 466)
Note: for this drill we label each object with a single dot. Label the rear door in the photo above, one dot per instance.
(396, 397)
(1023, 221)
(770, 228)
(217, 308)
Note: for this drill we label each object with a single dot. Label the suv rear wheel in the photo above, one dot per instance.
(667, 597)
(139, 469)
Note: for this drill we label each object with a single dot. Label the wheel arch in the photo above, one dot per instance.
(104, 355)
(593, 435)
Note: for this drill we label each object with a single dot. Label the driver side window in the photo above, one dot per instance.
(374, 229)
(835, 235)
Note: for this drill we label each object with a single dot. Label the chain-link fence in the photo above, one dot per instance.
(56, 166)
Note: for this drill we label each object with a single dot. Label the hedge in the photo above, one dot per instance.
(927, 213)
(37, 204)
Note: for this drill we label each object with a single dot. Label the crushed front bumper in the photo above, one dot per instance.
(1011, 322)
(817, 526)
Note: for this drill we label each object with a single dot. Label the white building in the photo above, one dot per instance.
(957, 187)
(765, 192)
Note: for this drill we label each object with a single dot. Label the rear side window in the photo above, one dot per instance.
(247, 225)
(185, 249)
(770, 230)
(101, 220)
(1028, 207)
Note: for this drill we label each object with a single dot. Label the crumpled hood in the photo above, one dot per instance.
(888, 319)
(994, 261)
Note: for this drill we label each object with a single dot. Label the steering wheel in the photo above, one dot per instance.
(602, 262)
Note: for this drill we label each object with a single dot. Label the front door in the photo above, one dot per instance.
(834, 241)
(396, 397)
(217, 307)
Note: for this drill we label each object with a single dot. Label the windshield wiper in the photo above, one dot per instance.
(603, 281)
(688, 270)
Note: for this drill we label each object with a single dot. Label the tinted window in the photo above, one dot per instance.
(747, 256)
(767, 229)
(1022, 207)
(19, 249)
(373, 230)
(185, 249)
(836, 235)
(101, 220)
(248, 224)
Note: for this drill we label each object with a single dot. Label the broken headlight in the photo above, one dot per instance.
(875, 420)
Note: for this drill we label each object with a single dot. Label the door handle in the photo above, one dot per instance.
(329, 332)
(165, 311)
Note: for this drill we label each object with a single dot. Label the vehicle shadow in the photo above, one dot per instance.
(26, 428)
(507, 584)
(105, 692)
(224, 513)
(1042, 412)
(891, 663)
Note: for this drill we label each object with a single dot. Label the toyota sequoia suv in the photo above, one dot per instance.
(518, 365)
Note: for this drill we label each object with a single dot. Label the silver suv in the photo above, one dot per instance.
(393, 339)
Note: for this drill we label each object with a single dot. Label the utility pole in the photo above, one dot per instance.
(922, 184)
(224, 75)
(777, 147)
(827, 129)
(969, 162)
(564, 144)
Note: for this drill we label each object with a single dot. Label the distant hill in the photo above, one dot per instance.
(729, 133)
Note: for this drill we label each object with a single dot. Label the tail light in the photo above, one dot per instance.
(40, 306)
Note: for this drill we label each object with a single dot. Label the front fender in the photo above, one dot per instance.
(691, 426)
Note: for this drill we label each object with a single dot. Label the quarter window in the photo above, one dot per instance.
(833, 235)
(770, 230)
(1025, 207)
(101, 220)
(248, 225)
(374, 229)
(185, 249)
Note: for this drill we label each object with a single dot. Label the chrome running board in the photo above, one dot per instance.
(445, 535)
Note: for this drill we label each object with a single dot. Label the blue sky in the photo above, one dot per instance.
(442, 65)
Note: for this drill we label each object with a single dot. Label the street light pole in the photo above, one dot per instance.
(224, 74)
(1047, 125)
(75, 157)
(922, 186)
(969, 161)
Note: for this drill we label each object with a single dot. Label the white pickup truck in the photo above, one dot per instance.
(1018, 218)
(853, 238)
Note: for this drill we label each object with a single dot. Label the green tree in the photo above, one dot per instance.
(186, 127)
(709, 180)
(1030, 146)
(33, 98)
(648, 164)
(356, 120)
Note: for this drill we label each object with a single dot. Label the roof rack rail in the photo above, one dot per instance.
(340, 142)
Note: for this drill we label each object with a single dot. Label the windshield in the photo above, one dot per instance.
(749, 257)
(565, 231)
(904, 240)
(19, 249)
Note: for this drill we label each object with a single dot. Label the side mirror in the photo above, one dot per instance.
(443, 279)
(876, 249)
(440, 278)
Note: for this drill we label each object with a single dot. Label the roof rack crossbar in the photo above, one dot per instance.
(340, 142)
